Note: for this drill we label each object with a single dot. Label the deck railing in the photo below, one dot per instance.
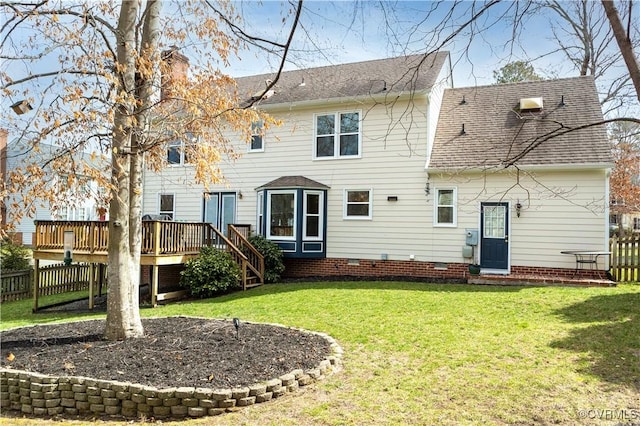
(89, 236)
(159, 237)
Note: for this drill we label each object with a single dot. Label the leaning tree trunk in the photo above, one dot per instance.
(123, 315)
(624, 43)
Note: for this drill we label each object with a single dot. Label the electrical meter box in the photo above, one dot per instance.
(471, 237)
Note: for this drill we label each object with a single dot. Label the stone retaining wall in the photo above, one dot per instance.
(42, 395)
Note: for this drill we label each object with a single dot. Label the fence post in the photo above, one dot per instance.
(36, 284)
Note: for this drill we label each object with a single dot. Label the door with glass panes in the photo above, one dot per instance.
(220, 209)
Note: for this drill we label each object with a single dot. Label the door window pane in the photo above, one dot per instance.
(494, 221)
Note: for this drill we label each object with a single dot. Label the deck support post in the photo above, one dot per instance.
(92, 283)
(36, 283)
(154, 286)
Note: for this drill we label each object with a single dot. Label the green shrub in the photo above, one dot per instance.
(213, 272)
(14, 256)
(273, 263)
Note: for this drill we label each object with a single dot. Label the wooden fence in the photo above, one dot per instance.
(54, 279)
(16, 285)
(625, 262)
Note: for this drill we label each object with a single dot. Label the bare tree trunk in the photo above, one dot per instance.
(624, 42)
(123, 316)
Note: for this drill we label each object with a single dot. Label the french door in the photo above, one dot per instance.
(220, 209)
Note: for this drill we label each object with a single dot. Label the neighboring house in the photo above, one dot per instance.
(77, 204)
(371, 173)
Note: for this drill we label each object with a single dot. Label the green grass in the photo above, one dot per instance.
(439, 354)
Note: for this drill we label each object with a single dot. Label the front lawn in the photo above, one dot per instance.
(419, 353)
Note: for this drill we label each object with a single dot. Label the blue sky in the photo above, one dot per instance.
(350, 31)
(333, 32)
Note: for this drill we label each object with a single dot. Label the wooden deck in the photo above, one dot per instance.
(163, 243)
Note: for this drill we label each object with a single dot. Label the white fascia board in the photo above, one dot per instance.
(378, 98)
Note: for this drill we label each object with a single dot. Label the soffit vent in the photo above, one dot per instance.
(530, 104)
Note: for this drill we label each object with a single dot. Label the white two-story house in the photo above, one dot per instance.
(381, 168)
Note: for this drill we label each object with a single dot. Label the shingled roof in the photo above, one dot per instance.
(404, 74)
(291, 182)
(484, 127)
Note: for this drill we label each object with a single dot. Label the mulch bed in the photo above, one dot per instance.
(175, 352)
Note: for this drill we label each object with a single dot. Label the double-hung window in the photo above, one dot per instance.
(337, 135)
(445, 207)
(257, 137)
(166, 205)
(177, 150)
(358, 204)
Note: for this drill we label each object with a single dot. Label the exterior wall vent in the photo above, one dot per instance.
(530, 104)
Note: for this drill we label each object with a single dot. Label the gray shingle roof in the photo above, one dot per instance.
(354, 80)
(290, 182)
(495, 131)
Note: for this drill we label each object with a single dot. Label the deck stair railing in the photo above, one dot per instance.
(238, 234)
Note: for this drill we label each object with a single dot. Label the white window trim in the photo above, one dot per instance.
(260, 225)
(295, 215)
(173, 213)
(455, 207)
(320, 195)
(336, 147)
(249, 149)
(345, 203)
(181, 143)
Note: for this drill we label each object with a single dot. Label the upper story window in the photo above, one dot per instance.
(358, 204)
(337, 135)
(445, 206)
(176, 150)
(257, 137)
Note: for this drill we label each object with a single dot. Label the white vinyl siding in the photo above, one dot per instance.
(392, 163)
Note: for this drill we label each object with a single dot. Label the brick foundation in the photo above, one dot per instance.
(408, 269)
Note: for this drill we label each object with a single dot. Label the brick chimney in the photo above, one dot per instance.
(178, 65)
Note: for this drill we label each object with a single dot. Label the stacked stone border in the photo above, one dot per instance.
(43, 395)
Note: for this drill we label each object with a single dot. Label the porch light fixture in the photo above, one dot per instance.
(518, 208)
(21, 107)
(427, 189)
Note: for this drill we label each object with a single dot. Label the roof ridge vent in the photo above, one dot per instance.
(531, 104)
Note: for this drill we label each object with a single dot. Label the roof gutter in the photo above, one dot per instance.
(533, 167)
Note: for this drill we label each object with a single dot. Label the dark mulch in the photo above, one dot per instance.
(175, 352)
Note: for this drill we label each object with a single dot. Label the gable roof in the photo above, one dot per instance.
(404, 74)
(496, 131)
